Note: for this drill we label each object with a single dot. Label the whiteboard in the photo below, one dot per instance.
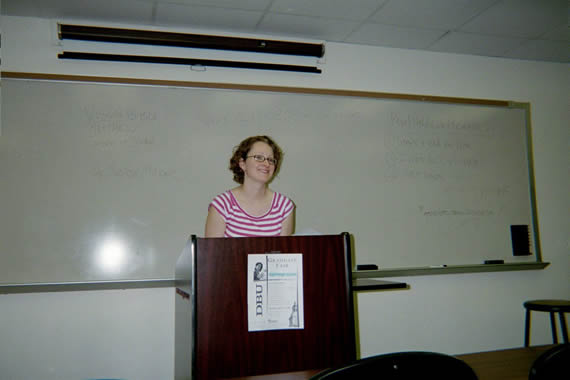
(106, 182)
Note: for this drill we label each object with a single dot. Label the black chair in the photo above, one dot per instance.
(551, 307)
(411, 365)
(552, 364)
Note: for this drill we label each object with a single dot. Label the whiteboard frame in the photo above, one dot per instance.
(391, 272)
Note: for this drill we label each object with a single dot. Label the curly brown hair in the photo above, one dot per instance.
(240, 152)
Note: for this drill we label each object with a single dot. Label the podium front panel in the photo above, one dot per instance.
(223, 346)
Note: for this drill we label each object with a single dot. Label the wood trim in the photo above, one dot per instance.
(232, 86)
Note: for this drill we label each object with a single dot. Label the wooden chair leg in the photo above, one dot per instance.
(564, 327)
(554, 330)
(527, 328)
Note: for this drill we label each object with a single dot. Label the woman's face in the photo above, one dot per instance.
(255, 170)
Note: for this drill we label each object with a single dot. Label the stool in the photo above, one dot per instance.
(549, 306)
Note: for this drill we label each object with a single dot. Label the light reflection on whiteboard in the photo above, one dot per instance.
(112, 255)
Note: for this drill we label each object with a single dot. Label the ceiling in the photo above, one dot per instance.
(519, 29)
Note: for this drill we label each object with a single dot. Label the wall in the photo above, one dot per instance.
(446, 313)
(122, 334)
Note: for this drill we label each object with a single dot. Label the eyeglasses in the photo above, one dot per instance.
(261, 158)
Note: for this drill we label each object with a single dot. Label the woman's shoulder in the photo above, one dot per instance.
(224, 194)
(223, 203)
(282, 198)
(224, 198)
(282, 204)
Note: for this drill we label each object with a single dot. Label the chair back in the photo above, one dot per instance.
(552, 364)
(411, 365)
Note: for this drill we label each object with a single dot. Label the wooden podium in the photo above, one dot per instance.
(211, 328)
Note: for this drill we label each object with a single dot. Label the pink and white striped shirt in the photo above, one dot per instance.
(241, 224)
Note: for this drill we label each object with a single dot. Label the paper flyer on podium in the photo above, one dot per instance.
(275, 291)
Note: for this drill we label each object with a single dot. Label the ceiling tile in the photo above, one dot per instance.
(252, 5)
(467, 43)
(542, 50)
(357, 10)
(519, 18)
(437, 25)
(307, 27)
(28, 8)
(207, 17)
(430, 14)
(394, 36)
(558, 33)
(107, 10)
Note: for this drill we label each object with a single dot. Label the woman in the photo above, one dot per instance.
(252, 208)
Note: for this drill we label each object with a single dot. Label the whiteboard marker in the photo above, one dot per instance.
(438, 266)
